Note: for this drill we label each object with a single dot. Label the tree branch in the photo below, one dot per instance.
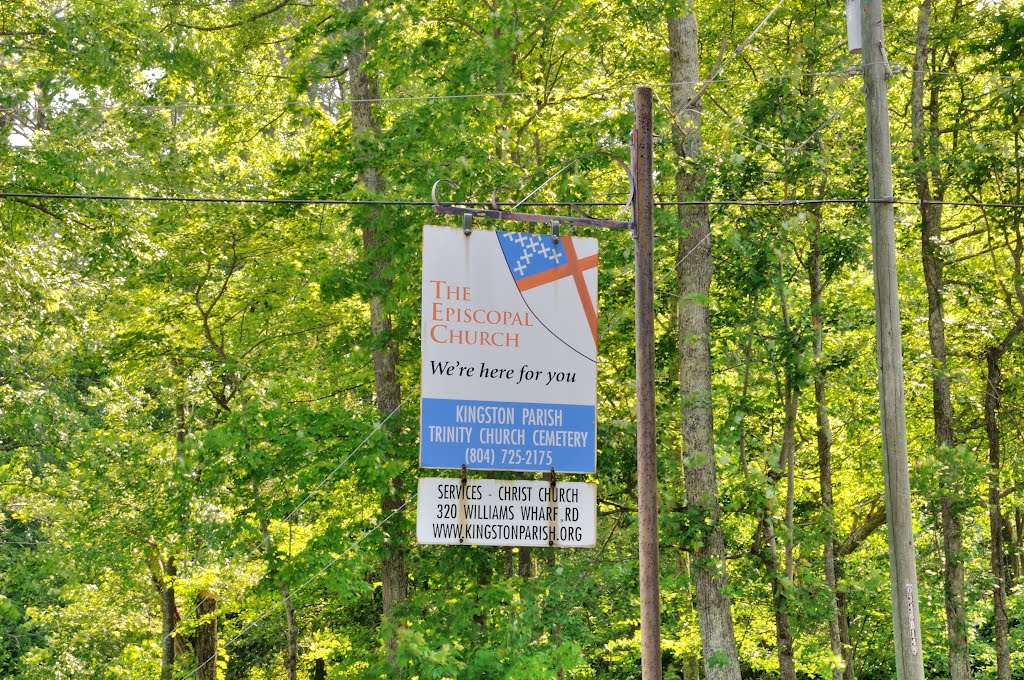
(860, 533)
(254, 17)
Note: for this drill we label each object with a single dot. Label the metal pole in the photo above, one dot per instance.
(646, 455)
(902, 567)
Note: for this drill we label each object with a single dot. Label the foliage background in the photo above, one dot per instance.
(194, 379)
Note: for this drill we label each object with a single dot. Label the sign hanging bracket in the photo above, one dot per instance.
(461, 513)
(494, 210)
(553, 508)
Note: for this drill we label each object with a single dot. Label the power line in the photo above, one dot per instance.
(847, 72)
(285, 201)
(789, 150)
(209, 199)
(763, 202)
(746, 202)
(624, 87)
(739, 49)
(377, 428)
(375, 100)
(664, 277)
(842, 73)
(986, 76)
(714, 79)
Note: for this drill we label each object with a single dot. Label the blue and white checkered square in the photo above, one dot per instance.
(529, 254)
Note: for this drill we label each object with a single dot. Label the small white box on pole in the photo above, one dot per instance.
(853, 37)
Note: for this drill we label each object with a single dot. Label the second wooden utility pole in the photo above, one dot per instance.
(902, 561)
(646, 453)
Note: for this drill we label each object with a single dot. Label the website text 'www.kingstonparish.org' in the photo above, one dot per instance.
(506, 532)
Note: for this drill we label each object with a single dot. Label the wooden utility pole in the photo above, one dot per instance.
(902, 566)
(646, 453)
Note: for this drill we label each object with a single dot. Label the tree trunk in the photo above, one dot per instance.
(394, 578)
(792, 401)
(783, 636)
(206, 636)
(291, 659)
(1007, 552)
(787, 462)
(42, 102)
(1018, 542)
(844, 632)
(526, 563)
(778, 571)
(714, 609)
(483, 579)
(691, 667)
(168, 617)
(953, 581)
(319, 670)
(823, 435)
(172, 645)
(690, 660)
(925, 143)
(993, 397)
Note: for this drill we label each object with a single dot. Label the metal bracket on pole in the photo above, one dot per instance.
(494, 196)
(553, 508)
(885, 59)
(462, 506)
(632, 191)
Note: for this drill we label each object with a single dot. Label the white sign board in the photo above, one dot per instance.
(509, 350)
(506, 512)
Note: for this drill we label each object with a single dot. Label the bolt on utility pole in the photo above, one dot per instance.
(898, 511)
(646, 453)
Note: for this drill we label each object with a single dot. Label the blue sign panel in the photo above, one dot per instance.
(502, 435)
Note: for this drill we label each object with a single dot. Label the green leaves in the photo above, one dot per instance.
(195, 380)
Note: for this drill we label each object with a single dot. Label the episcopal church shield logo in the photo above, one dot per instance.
(558, 282)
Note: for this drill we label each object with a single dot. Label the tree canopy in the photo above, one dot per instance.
(210, 228)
